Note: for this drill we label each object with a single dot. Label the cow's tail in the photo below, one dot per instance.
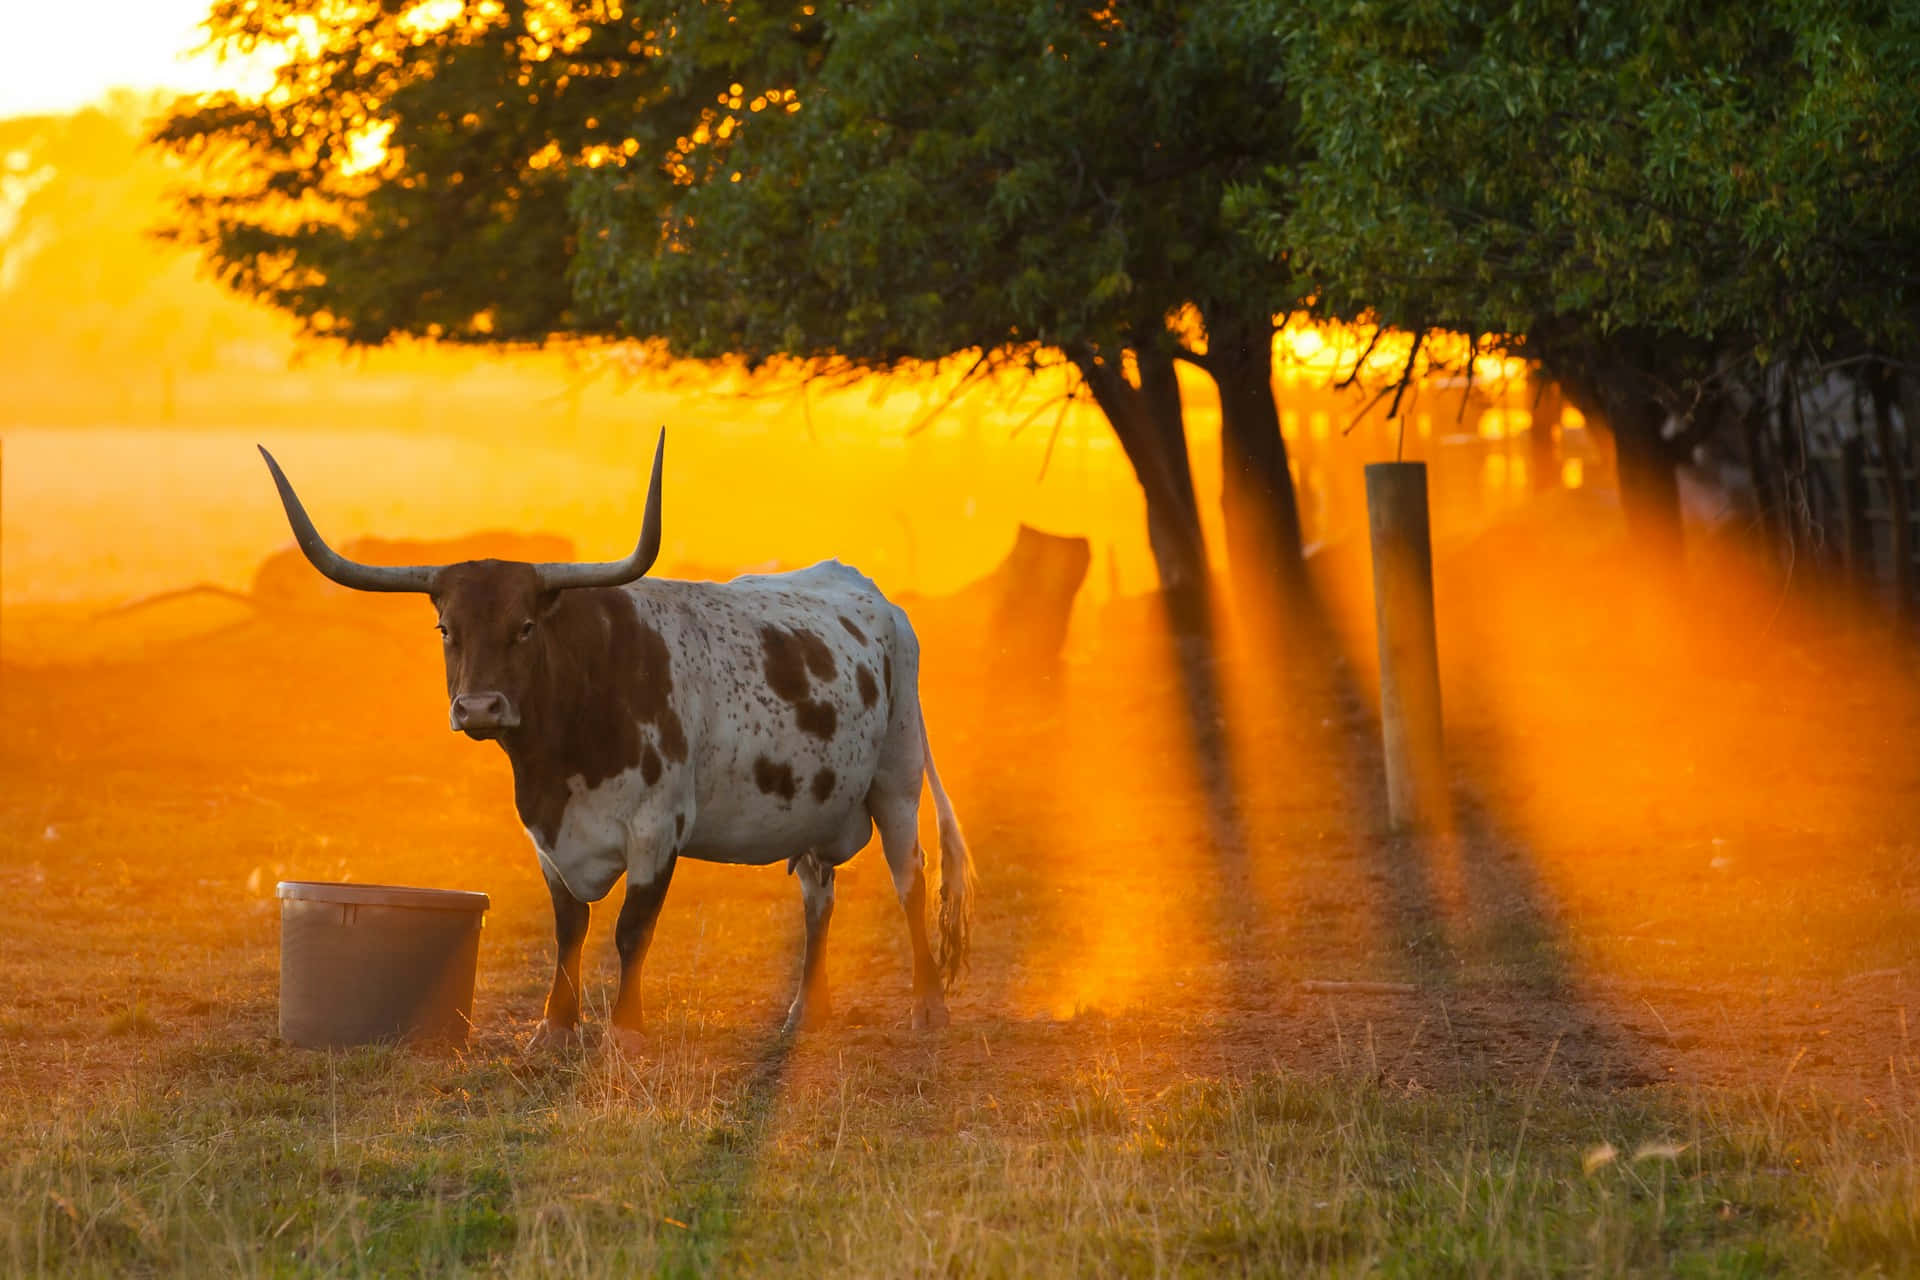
(956, 875)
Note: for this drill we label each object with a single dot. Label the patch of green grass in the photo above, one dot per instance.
(134, 1020)
(278, 1162)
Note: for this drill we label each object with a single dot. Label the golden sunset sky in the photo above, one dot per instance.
(48, 64)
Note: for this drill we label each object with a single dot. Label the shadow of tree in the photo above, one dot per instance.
(1465, 920)
(713, 1189)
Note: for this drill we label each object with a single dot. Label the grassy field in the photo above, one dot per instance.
(1651, 1012)
(874, 1155)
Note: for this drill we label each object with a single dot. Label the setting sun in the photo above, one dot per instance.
(48, 64)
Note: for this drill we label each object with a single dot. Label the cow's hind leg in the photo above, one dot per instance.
(632, 934)
(899, 824)
(813, 1006)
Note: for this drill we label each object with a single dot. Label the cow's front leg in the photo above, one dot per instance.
(813, 1006)
(632, 934)
(562, 1015)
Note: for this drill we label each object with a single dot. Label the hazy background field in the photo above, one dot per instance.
(136, 389)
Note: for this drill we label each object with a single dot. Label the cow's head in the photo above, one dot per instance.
(491, 611)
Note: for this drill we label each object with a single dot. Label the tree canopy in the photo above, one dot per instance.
(1658, 200)
(962, 175)
(852, 185)
(411, 171)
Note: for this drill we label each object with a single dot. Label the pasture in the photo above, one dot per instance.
(1643, 1008)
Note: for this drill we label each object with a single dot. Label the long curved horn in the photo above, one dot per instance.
(348, 573)
(614, 573)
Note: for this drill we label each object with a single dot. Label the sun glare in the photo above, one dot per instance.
(49, 66)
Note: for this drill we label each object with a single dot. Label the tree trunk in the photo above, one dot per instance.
(1156, 445)
(1649, 485)
(1767, 485)
(1159, 403)
(1543, 440)
(1257, 502)
(1893, 456)
(1613, 382)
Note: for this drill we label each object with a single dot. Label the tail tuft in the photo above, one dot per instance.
(956, 878)
(956, 904)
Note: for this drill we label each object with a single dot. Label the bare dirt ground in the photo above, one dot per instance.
(1683, 859)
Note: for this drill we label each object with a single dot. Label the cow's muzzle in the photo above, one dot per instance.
(483, 715)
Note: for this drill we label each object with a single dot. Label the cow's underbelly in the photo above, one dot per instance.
(628, 826)
(752, 833)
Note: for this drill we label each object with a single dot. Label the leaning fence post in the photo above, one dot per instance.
(1398, 528)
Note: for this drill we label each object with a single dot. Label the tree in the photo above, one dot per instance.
(410, 172)
(858, 187)
(1012, 178)
(1660, 201)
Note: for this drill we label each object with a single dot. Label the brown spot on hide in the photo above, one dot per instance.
(816, 718)
(823, 785)
(785, 666)
(774, 779)
(819, 657)
(790, 657)
(886, 668)
(869, 691)
(853, 630)
(652, 663)
(650, 764)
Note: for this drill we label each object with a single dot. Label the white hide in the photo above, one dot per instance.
(734, 720)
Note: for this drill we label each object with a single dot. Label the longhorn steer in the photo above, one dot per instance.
(772, 718)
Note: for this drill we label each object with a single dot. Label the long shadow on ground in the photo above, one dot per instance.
(713, 1188)
(1463, 918)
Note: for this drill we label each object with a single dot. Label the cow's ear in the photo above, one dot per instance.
(547, 603)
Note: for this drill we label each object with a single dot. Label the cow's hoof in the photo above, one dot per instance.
(626, 1042)
(930, 1015)
(550, 1037)
(807, 1015)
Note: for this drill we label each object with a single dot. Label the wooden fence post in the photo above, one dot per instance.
(1397, 523)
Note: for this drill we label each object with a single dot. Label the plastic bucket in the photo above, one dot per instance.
(365, 963)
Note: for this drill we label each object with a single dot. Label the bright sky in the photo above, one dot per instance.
(56, 57)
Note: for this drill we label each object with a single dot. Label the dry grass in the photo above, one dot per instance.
(258, 1160)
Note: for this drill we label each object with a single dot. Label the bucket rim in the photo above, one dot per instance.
(353, 893)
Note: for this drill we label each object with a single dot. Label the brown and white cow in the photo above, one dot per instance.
(773, 718)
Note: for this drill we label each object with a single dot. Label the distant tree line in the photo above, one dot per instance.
(1681, 210)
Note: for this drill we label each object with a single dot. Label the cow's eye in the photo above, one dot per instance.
(445, 634)
(526, 629)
